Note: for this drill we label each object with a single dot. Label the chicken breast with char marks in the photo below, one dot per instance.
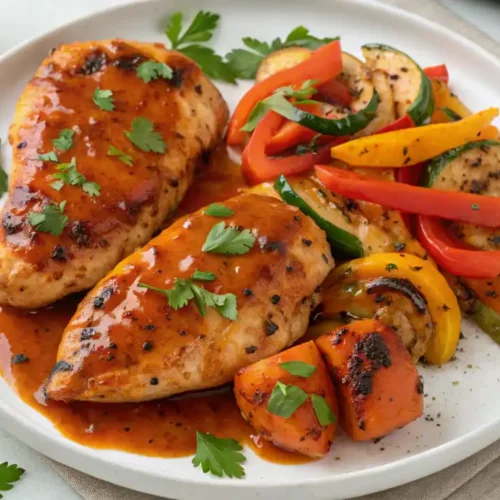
(126, 342)
(119, 153)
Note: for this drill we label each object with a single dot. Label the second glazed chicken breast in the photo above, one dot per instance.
(105, 137)
(208, 296)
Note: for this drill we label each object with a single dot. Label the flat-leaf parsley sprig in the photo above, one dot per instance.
(9, 474)
(185, 289)
(245, 63)
(189, 42)
(219, 456)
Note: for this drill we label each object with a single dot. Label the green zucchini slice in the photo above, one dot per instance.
(411, 87)
(343, 243)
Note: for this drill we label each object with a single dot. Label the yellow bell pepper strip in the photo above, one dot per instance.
(444, 98)
(402, 148)
(441, 301)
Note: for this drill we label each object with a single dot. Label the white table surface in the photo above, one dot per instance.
(23, 19)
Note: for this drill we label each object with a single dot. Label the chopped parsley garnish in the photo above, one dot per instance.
(123, 157)
(245, 63)
(228, 240)
(323, 410)
(51, 220)
(475, 206)
(153, 70)
(189, 43)
(391, 267)
(4, 185)
(298, 368)
(219, 210)
(104, 99)
(69, 175)
(278, 103)
(50, 156)
(185, 290)
(219, 456)
(144, 137)
(9, 474)
(65, 139)
(203, 275)
(285, 400)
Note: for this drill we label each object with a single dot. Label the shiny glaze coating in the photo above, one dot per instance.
(125, 343)
(38, 268)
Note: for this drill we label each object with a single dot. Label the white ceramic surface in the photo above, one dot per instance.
(469, 412)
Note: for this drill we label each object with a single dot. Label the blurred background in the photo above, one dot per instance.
(23, 19)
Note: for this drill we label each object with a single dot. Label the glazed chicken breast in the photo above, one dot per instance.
(128, 342)
(104, 149)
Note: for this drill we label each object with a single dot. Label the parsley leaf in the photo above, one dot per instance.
(189, 43)
(123, 157)
(144, 137)
(245, 63)
(211, 63)
(203, 275)
(50, 220)
(69, 174)
(298, 368)
(323, 410)
(285, 400)
(4, 185)
(104, 99)
(200, 30)
(9, 474)
(174, 28)
(219, 456)
(228, 240)
(185, 290)
(219, 210)
(50, 156)
(152, 70)
(278, 103)
(65, 139)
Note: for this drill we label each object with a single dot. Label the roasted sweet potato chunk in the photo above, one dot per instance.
(378, 386)
(290, 400)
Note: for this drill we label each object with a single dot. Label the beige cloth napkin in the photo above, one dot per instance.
(477, 478)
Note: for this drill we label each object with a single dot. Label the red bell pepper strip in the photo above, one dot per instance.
(291, 133)
(458, 261)
(399, 124)
(323, 65)
(438, 73)
(409, 175)
(257, 167)
(335, 92)
(465, 207)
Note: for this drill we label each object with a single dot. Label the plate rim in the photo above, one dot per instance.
(21, 427)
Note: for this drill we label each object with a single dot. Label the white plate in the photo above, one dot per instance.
(469, 411)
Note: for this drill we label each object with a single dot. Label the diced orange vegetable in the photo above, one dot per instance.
(413, 145)
(302, 432)
(378, 386)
